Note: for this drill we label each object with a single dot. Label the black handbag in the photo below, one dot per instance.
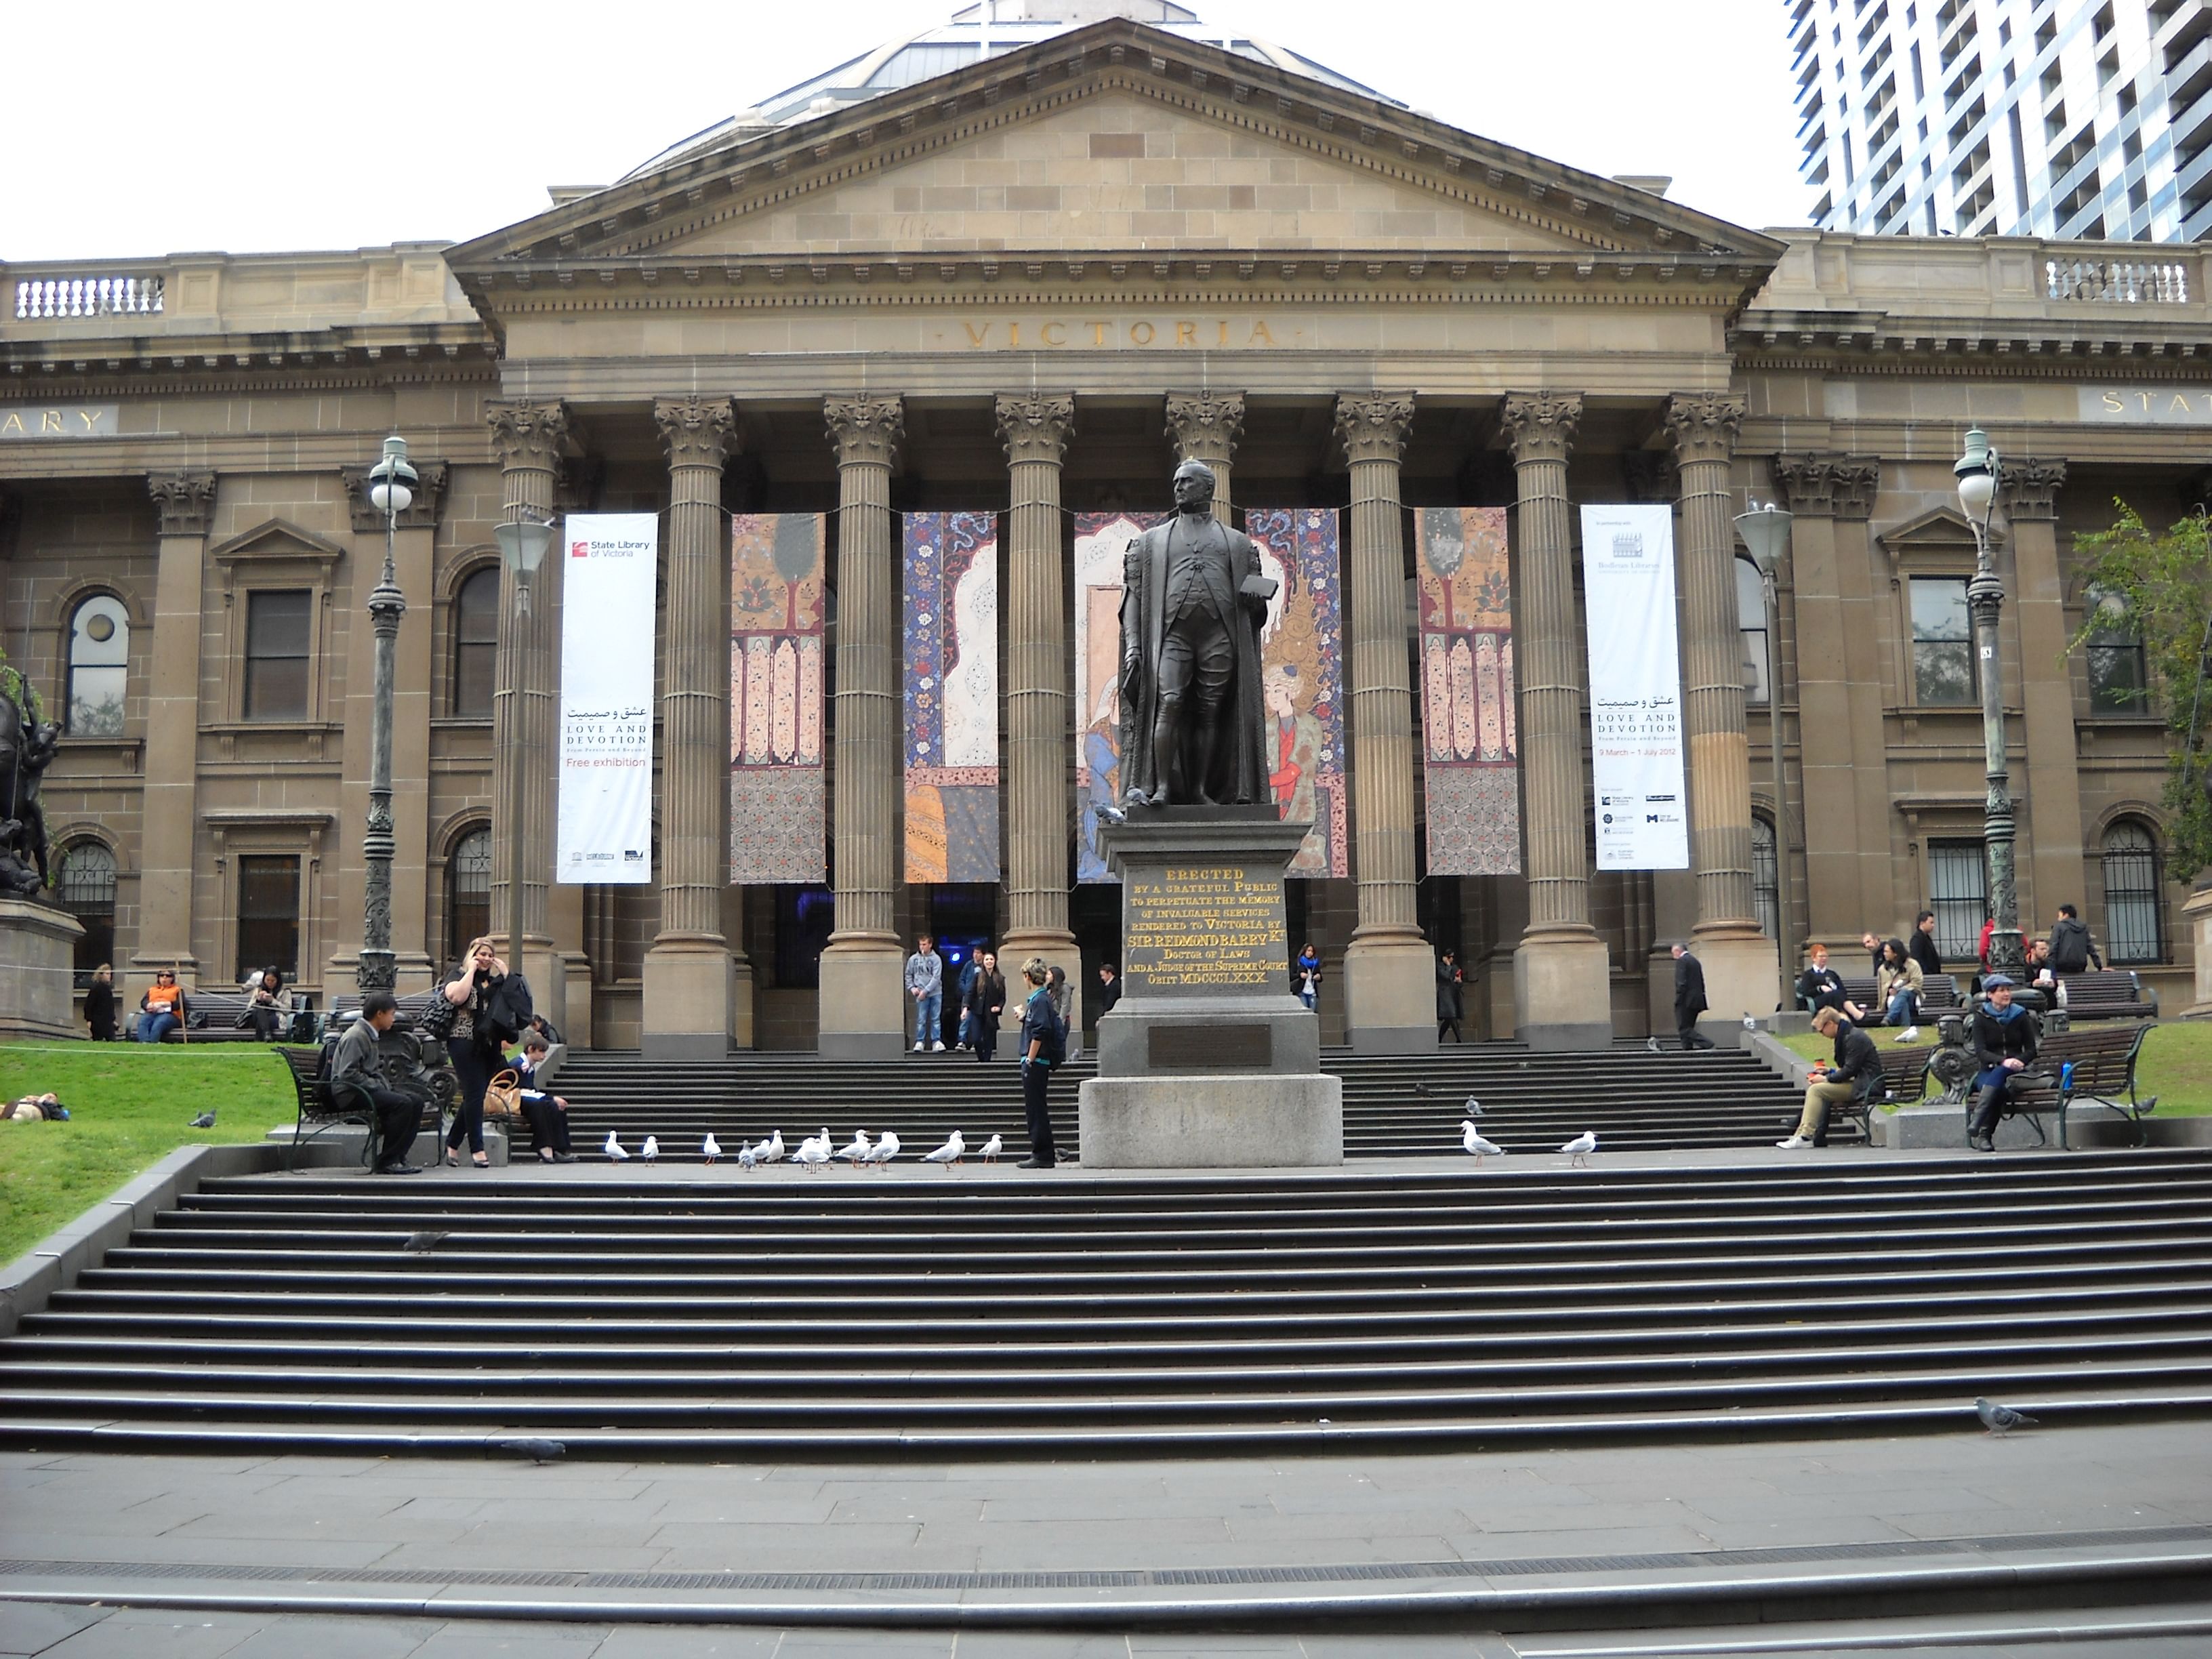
(437, 1020)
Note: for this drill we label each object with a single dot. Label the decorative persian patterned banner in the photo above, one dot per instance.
(1472, 751)
(1100, 539)
(1302, 679)
(951, 639)
(776, 818)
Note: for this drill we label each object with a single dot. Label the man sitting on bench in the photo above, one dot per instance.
(2004, 1045)
(358, 1065)
(1857, 1066)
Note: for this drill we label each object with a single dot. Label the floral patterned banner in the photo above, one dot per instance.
(777, 816)
(1302, 680)
(1472, 747)
(1100, 539)
(951, 639)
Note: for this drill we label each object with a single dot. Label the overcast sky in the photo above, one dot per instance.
(260, 125)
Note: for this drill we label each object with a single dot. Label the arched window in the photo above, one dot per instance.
(86, 888)
(99, 661)
(1751, 631)
(1766, 886)
(468, 891)
(2131, 931)
(476, 643)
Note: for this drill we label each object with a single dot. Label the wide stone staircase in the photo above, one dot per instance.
(1393, 1107)
(964, 1315)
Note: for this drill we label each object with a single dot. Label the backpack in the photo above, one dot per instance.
(1052, 1031)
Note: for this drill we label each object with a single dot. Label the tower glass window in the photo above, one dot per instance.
(98, 662)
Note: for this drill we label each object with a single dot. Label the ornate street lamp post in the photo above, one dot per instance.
(1765, 532)
(1977, 472)
(522, 546)
(391, 491)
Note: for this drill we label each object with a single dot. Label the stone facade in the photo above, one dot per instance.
(1033, 285)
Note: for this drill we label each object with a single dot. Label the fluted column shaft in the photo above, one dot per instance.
(1704, 426)
(866, 432)
(1035, 427)
(1542, 429)
(694, 703)
(528, 439)
(1204, 427)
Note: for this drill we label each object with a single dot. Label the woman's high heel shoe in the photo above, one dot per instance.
(481, 1160)
(453, 1158)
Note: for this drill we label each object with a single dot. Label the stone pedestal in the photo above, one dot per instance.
(1208, 1061)
(37, 951)
(690, 990)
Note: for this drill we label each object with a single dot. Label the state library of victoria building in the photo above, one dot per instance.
(887, 372)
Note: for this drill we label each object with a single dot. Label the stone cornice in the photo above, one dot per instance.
(421, 513)
(183, 502)
(1035, 424)
(527, 434)
(1372, 425)
(2029, 489)
(865, 431)
(1540, 425)
(1206, 425)
(1822, 486)
(697, 432)
(2119, 339)
(1705, 424)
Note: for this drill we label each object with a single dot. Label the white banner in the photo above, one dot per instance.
(605, 821)
(1636, 688)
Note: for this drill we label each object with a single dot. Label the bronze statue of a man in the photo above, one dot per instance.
(1192, 601)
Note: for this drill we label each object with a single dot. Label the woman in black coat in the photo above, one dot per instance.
(474, 1044)
(100, 1003)
(990, 1002)
(1451, 1007)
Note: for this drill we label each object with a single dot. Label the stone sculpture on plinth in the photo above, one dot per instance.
(38, 939)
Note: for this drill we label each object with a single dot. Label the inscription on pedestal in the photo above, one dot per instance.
(1202, 926)
(1208, 1047)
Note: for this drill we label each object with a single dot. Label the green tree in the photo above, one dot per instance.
(2163, 582)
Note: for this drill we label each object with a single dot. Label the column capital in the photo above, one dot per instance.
(1206, 425)
(184, 499)
(1820, 486)
(1705, 424)
(2029, 489)
(695, 431)
(1372, 425)
(1540, 425)
(421, 513)
(526, 434)
(1035, 424)
(864, 429)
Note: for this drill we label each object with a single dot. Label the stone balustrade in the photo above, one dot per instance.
(136, 293)
(2118, 282)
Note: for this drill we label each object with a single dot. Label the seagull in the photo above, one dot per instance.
(651, 1147)
(2000, 1420)
(857, 1153)
(537, 1451)
(205, 1120)
(1474, 1107)
(811, 1154)
(949, 1153)
(771, 1150)
(992, 1148)
(1579, 1149)
(613, 1149)
(711, 1148)
(1651, 1045)
(885, 1151)
(748, 1157)
(1471, 1139)
(1750, 1022)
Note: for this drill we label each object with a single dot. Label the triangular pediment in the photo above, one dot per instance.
(277, 538)
(1115, 139)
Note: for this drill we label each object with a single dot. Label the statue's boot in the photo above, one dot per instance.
(1166, 735)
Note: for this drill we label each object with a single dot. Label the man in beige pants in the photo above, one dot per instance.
(1856, 1062)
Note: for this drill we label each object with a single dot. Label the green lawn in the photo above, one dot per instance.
(2175, 1064)
(129, 1106)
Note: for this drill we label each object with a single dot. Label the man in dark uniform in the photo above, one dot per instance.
(1192, 601)
(1689, 1000)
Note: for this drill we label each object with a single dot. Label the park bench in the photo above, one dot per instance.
(412, 1007)
(2102, 1074)
(324, 1106)
(1939, 995)
(1904, 1080)
(2111, 993)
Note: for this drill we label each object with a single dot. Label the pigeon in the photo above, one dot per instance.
(651, 1148)
(710, 1148)
(2000, 1420)
(1579, 1149)
(1109, 814)
(537, 1451)
(949, 1153)
(857, 1153)
(205, 1120)
(421, 1244)
(811, 1154)
(613, 1149)
(1422, 1088)
(1473, 1140)
(1651, 1045)
(885, 1151)
(992, 1148)
(771, 1150)
(748, 1157)
(1472, 1107)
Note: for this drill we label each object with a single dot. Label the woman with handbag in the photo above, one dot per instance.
(472, 1043)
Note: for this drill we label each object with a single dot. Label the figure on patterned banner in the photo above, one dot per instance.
(1193, 601)
(1102, 767)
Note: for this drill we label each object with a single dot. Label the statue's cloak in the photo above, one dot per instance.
(1240, 768)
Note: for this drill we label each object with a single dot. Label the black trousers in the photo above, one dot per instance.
(1686, 1028)
(1988, 1105)
(1448, 1023)
(398, 1118)
(548, 1124)
(1034, 1080)
(473, 1067)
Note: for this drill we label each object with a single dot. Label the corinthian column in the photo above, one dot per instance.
(528, 439)
(863, 1006)
(185, 504)
(1035, 425)
(1562, 978)
(1389, 976)
(1204, 426)
(1740, 962)
(693, 1008)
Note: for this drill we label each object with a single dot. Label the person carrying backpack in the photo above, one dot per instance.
(1043, 1045)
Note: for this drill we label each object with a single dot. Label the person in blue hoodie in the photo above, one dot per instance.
(2004, 1047)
